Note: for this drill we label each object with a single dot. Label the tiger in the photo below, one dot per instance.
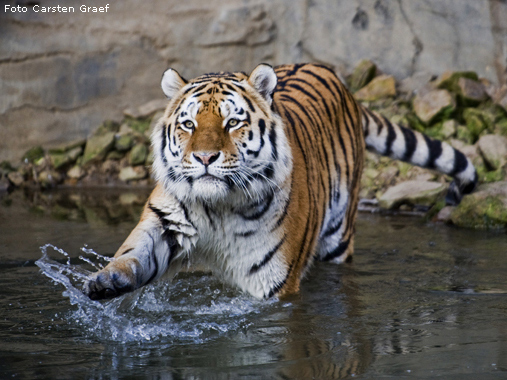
(257, 177)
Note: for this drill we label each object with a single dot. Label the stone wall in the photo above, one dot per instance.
(62, 74)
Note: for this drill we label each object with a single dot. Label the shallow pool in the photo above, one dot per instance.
(419, 301)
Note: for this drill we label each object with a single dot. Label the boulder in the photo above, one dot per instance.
(477, 121)
(493, 149)
(444, 215)
(49, 178)
(414, 83)
(65, 147)
(471, 92)
(363, 73)
(424, 193)
(33, 154)
(123, 142)
(76, 172)
(98, 146)
(133, 173)
(449, 79)
(16, 178)
(383, 86)
(138, 154)
(59, 160)
(433, 105)
(486, 208)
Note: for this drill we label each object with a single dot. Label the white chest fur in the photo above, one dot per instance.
(242, 244)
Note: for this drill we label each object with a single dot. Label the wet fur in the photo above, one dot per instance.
(281, 187)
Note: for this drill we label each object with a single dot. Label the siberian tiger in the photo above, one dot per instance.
(258, 176)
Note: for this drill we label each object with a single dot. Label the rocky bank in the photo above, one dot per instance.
(467, 111)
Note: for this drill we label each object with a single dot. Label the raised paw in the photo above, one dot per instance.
(112, 281)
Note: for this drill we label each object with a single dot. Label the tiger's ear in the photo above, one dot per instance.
(263, 79)
(172, 82)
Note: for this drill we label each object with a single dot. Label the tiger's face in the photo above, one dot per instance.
(219, 139)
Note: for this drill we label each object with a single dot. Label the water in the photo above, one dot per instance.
(419, 301)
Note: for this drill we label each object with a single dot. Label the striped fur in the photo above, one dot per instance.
(258, 176)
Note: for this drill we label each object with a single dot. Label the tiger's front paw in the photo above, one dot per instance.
(112, 281)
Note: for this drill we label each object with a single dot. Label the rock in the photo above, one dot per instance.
(449, 79)
(106, 127)
(414, 83)
(138, 154)
(76, 172)
(423, 193)
(494, 150)
(442, 131)
(444, 215)
(471, 92)
(16, 178)
(49, 178)
(115, 155)
(380, 87)
(476, 121)
(433, 105)
(486, 208)
(123, 142)
(65, 147)
(97, 147)
(7, 167)
(146, 109)
(133, 173)
(33, 154)
(363, 73)
(59, 160)
(110, 167)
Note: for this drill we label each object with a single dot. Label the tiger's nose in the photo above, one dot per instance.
(206, 158)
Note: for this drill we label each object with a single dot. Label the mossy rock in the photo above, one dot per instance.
(363, 73)
(33, 154)
(434, 106)
(65, 147)
(449, 80)
(6, 167)
(484, 209)
(97, 147)
(138, 154)
(477, 121)
(107, 126)
(138, 125)
(424, 193)
(383, 86)
(123, 143)
(60, 160)
(443, 130)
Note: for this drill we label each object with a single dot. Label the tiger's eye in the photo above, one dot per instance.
(189, 124)
(232, 123)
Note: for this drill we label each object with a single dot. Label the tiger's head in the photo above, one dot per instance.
(219, 138)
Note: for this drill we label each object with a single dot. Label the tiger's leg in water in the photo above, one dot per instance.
(154, 246)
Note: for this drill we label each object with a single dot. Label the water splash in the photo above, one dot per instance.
(193, 308)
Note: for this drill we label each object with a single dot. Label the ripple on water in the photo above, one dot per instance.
(191, 308)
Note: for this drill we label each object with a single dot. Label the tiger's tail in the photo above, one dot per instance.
(400, 143)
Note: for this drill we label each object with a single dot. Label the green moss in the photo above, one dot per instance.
(450, 83)
(477, 121)
(138, 125)
(483, 213)
(414, 123)
(107, 126)
(33, 154)
(6, 167)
